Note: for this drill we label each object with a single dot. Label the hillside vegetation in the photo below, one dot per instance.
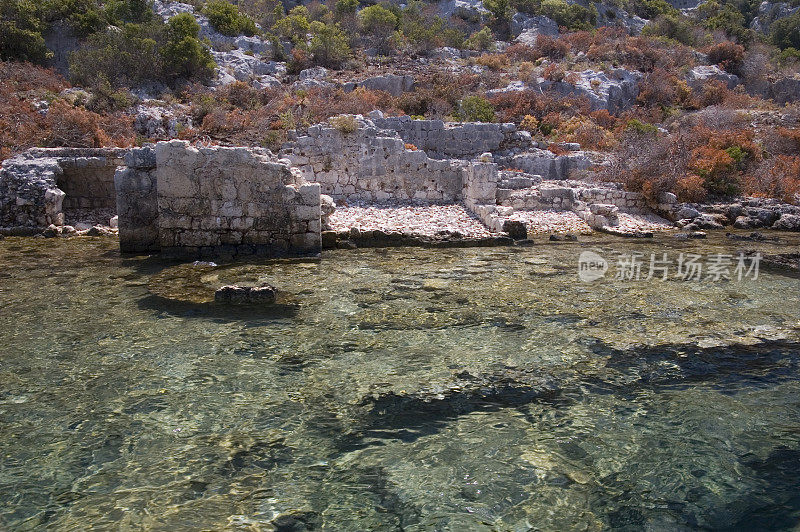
(733, 131)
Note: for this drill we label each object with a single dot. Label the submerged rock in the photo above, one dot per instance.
(515, 229)
(245, 295)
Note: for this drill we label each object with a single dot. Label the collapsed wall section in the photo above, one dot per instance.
(46, 186)
(233, 201)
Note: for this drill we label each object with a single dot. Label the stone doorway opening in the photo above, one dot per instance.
(88, 185)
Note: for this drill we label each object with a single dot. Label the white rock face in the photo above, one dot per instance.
(318, 73)
(236, 65)
(156, 122)
(532, 27)
(614, 92)
(769, 12)
(700, 75)
(609, 15)
(471, 10)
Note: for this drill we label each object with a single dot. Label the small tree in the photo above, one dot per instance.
(184, 55)
(329, 45)
(481, 41)
(502, 12)
(227, 19)
(785, 32)
(380, 23)
(21, 32)
(344, 8)
(294, 26)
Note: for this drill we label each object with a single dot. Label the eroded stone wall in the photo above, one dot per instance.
(137, 201)
(233, 201)
(453, 140)
(368, 165)
(30, 193)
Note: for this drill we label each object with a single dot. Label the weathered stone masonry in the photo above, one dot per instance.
(45, 186)
(370, 164)
(189, 202)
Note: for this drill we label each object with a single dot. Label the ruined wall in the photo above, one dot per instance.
(548, 165)
(452, 140)
(367, 165)
(564, 198)
(137, 201)
(30, 184)
(233, 201)
(88, 183)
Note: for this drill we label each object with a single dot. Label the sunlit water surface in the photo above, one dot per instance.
(672, 405)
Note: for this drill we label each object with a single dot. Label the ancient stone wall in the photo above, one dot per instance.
(367, 165)
(31, 193)
(452, 140)
(88, 183)
(137, 201)
(233, 201)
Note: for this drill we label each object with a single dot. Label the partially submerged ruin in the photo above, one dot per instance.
(200, 201)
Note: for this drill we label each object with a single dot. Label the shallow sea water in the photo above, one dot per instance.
(129, 401)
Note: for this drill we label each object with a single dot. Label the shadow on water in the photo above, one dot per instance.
(220, 313)
(407, 416)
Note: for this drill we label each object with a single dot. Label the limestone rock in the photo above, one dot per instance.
(245, 295)
(787, 222)
(515, 229)
(614, 92)
(532, 27)
(701, 75)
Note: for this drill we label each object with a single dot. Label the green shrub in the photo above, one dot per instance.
(422, 32)
(785, 32)
(380, 23)
(482, 40)
(21, 32)
(294, 26)
(135, 11)
(127, 57)
(726, 17)
(650, 9)
(502, 12)
(345, 7)
(184, 55)
(642, 128)
(329, 46)
(105, 99)
(226, 19)
(675, 27)
(574, 17)
(346, 124)
(789, 55)
(476, 109)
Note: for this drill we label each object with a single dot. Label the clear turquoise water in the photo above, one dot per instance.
(129, 402)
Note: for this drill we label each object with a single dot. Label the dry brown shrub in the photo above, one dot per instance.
(493, 61)
(690, 188)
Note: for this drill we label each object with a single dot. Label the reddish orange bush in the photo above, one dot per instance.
(728, 55)
(690, 188)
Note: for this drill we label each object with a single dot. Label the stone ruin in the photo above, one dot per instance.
(189, 201)
(58, 186)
